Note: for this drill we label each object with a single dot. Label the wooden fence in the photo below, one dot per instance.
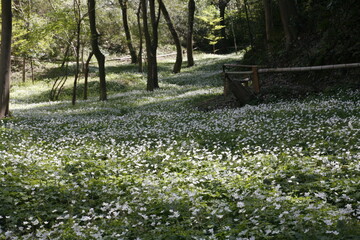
(233, 79)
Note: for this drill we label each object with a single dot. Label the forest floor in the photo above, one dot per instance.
(182, 162)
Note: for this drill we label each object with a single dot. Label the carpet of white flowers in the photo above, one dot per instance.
(152, 166)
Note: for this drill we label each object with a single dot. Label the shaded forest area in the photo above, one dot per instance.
(320, 33)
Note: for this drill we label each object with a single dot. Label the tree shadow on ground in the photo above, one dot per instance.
(58, 72)
(66, 93)
(206, 73)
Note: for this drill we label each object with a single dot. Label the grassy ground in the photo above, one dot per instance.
(153, 166)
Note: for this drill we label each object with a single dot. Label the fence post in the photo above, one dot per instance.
(256, 80)
(226, 82)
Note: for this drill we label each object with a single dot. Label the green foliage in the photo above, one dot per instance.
(44, 28)
(210, 17)
(32, 37)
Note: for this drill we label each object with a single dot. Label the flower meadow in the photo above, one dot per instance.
(152, 166)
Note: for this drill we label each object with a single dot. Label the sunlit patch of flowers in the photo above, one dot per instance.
(152, 166)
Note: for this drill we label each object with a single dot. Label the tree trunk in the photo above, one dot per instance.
(222, 8)
(154, 25)
(5, 57)
(77, 12)
(149, 56)
(140, 57)
(151, 41)
(32, 70)
(288, 15)
(269, 24)
(248, 23)
(190, 33)
(234, 36)
(96, 50)
(61, 80)
(177, 66)
(124, 7)
(86, 75)
(24, 69)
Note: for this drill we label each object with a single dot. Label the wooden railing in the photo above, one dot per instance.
(230, 71)
(313, 68)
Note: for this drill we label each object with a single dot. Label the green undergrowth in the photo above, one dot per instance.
(151, 165)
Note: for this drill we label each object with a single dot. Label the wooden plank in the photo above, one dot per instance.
(313, 68)
(239, 73)
(242, 93)
(240, 65)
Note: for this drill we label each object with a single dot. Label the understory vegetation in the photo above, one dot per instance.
(152, 165)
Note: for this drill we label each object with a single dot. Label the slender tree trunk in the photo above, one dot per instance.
(96, 50)
(60, 81)
(78, 17)
(151, 44)
(5, 57)
(32, 70)
(86, 75)
(269, 24)
(222, 8)
(234, 36)
(177, 66)
(140, 58)
(248, 23)
(288, 15)
(124, 7)
(190, 33)
(24, 69)
(154, 25)
(82, 58)
(63, 81)
(150, 84)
